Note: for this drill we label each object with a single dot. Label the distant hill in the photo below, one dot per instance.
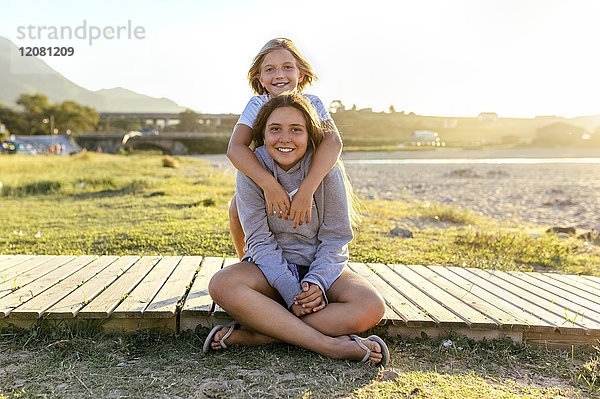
(31, 75)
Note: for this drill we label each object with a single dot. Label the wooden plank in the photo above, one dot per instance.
(13, 300)
(434, 332)
(573, 287)
(389, 313)
(577, 281)
(473, 317)
(521, 318)
(403, 310)
(13, 261)
(38, 305)
(165, 326)
(22, 279)
(559, 341)
(6, 259)
(69, 306)
(138, 299)
(512, 294)
(574, 300)
(535, 295)
(592, 280)
(463, 293)
(198, 301)
(8, 275)
(104, 304)
(230, 261)
(438, 312)
(23, 263)
(166, 301)
(548, 319)
(73, 324)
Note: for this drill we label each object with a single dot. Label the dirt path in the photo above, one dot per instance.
(547, 194)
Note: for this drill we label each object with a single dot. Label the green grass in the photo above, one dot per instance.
(102, 204)
(113, 204)
(450, 236)
(109, 204)
(72, 363)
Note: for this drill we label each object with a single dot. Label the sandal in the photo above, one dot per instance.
(232, 326)
(385, 353)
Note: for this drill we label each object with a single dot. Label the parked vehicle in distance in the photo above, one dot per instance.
(18, 148)
(426, 138)
(149, 132)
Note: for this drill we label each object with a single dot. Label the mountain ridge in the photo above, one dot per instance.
(33, 75)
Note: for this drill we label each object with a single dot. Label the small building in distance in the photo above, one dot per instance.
(559, 134)
(425, 138)
(487, 116)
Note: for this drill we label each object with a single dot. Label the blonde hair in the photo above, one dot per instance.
(277, 44)
(315, 137)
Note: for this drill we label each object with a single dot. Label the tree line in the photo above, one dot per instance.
(39, 117)
(359, 127)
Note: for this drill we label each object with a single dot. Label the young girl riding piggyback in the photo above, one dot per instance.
(280, 68)
(292, 284)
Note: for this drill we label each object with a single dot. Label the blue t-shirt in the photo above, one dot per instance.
(251, 111)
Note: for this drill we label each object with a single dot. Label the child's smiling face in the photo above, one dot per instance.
(279, 72)
(286, 136)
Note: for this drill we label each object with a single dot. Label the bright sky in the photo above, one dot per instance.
(518, 58)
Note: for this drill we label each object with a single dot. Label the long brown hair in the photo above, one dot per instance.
(315, 137)
(277, 44)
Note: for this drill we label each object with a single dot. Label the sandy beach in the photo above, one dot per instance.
(552, 193)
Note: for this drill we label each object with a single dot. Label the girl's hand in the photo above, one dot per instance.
(299, 311)
(301, 207)
(276, 197)
(311, 298)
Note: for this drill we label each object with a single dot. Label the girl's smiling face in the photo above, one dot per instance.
(279, 72)
(286, 136)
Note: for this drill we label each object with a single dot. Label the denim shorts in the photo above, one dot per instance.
(299, 271)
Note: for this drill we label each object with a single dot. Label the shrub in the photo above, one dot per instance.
(44, 187)
(170, 162)
(207, 145)
(448, 214)
(137, 186)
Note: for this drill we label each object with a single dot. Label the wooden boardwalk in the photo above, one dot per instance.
(170, 294)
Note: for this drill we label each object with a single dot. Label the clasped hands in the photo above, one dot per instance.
(311, 300)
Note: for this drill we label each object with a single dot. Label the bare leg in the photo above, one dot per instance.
(354, 306)
(237, 234)
(245, 294)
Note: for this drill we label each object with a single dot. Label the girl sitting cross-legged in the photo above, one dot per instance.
(293, 285)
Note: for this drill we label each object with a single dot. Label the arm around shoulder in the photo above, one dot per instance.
(244, 159)
(239, 143)
(332, 136)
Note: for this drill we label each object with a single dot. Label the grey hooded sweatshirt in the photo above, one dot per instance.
(273, 243)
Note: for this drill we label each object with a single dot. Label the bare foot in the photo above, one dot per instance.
(352, 351)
